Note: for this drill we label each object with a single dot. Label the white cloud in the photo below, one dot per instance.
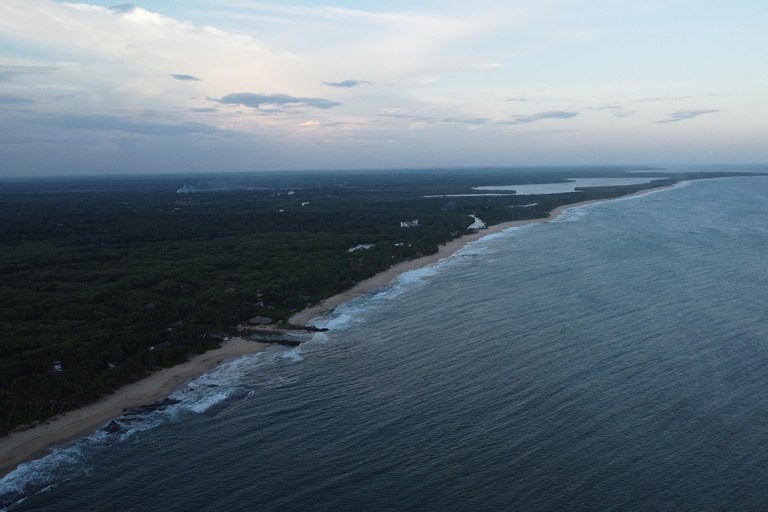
(133, 57)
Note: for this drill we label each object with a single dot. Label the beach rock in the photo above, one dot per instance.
(277, 341)
(112, 427)
(157, 406)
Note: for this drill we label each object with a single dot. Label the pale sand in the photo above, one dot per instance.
(304, 316)
(34, 443)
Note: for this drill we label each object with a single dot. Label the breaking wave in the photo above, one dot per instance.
(207, 394)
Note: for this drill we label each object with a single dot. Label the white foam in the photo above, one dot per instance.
(338, 320)
(222, 383)
(516, 230)
(216, 386)
(42, 474)
(357, 310)
(576, 213)
(353, 312)
(320, 338)
(413, 277)
(293, 355)
(203, 402)
(478, 244)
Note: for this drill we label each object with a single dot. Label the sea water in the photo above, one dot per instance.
(570, 186)
(615, 358)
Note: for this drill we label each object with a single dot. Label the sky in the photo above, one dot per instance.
(172, 86)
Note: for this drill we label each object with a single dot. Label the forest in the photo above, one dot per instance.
(105, 280)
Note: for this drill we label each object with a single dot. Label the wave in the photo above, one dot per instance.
(208, 394)
(37, 476)
(357, 310)
(573, 214)
(576, 213)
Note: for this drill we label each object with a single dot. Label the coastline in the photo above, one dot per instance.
(305, 316)
(20, 447)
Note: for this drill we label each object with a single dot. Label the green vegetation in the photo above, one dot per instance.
(101, 286)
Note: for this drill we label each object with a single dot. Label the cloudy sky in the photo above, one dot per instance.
(241, 85)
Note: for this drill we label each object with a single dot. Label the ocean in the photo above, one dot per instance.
(614, 358)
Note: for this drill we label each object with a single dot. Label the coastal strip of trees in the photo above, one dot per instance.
(101, 287)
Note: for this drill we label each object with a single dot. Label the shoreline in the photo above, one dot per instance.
(20, 447)
(305, 316)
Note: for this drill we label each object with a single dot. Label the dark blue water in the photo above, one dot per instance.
(613, 359)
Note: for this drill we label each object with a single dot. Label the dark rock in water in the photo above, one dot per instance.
(277, 341)
(239, 394)
(287, 343)
(157, 406)
(165, 402)
(132, 415)
(112, 427)
(307, 328)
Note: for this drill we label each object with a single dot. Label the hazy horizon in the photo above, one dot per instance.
(726, 167)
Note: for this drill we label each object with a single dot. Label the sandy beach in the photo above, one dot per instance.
(34, 443)
(444, 251)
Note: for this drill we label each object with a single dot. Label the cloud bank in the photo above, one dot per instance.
(252, 100)
(539, 116)
(123, 8)
(8, 73)
(186, 77)
(682, 115)
(97, 123)
(347, 83)
(7, 99)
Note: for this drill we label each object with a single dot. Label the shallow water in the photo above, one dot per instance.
(570, 186)
(612, 359)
